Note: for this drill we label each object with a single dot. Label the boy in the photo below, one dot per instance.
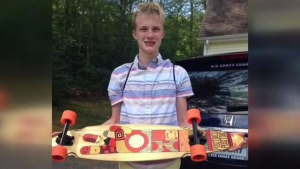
(150, 90)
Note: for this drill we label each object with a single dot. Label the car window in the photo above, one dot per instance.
(219, 91)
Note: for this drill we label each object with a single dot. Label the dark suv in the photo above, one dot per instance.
(220, 85)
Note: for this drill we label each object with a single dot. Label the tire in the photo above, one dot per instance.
(198, 153)
(68, 115)
(59, 154)
(193, 114)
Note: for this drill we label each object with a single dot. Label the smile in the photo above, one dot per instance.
(149, 43)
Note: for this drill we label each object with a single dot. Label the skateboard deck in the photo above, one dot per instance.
(135, 142)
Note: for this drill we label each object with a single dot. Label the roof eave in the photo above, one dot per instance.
(225, 37)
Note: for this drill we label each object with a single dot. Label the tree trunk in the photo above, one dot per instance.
(92, 28)
(67, 18)
(176, 25)
(123, 30)
(130, 26)
(87, 56)
(191, 28)
(204, 3)
(102, 29)
(80, 28)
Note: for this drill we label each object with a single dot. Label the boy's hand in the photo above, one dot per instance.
(242, 145)
(55, 134)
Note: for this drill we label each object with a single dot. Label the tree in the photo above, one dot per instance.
(92, 37)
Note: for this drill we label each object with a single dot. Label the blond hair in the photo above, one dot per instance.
(149, 9)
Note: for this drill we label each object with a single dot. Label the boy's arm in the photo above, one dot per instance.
(115, 94)
(115, 115)
(183, 90)
(114, 119)
(181, 106)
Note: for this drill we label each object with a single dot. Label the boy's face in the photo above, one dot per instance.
(149, 33)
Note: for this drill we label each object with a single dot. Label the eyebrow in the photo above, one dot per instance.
(147, 26)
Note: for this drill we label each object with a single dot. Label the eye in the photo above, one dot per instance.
(156, 29)
(143, 29)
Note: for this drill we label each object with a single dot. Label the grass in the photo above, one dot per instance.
(90, 111)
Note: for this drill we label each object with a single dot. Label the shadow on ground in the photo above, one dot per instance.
(74, 163)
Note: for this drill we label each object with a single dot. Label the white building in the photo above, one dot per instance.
(224, 28)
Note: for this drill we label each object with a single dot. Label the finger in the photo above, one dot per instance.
(240, 134)
(200, 129)
(202, 138)
(234, 148)
(244, 144)
(55, 134)
(200, 132)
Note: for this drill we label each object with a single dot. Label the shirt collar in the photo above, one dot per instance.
(157, 61)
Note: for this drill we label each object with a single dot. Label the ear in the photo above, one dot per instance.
(163, 34)
(134, 34)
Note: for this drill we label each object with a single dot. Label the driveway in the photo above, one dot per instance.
(74, 163)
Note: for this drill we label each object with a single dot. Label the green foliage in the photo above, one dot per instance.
(92, 37)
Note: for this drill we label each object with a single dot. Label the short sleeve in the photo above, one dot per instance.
(183, 82)
(115, 91)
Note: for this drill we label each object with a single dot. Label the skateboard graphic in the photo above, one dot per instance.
(136, 142)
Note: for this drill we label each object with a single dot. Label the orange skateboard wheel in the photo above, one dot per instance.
(198, 153)
(193, 114)
(59, 154)
(68, 115)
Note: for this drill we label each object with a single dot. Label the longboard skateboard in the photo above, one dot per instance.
(135, 142)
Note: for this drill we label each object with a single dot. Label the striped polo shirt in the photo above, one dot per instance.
(149, 96)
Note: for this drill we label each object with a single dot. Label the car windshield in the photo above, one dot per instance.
(219, 91)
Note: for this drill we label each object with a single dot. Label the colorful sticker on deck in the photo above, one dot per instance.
(93, 150)
(148, 148)
(92, 138)
(136, 141)
(119, 135)
(125, 140)
(217, 141)
(183, 140)
(165, 141)
(164, 146)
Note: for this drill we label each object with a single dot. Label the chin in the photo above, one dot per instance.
(151, 50)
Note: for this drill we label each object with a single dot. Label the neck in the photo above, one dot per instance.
(146, 58)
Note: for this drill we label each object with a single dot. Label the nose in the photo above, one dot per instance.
(150, 34)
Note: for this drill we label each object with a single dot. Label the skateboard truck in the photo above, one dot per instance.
(59, 152)
(64, 139)
(67, 141)
(195, 132)
(201, 138)
(198, 151)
